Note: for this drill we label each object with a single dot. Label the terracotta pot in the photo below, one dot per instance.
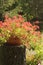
(14, 40)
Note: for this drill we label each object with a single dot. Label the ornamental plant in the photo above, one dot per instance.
(16, 31)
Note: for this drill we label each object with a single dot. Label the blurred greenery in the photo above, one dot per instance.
(15, 7)
(27, 8)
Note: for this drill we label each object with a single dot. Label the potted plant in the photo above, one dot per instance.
(14, 38)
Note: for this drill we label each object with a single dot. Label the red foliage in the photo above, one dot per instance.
(19, 23)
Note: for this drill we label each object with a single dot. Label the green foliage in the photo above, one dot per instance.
(34, 56)
(28, 8)
(3, 35)
(15, 7)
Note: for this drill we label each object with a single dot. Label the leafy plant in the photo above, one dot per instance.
(16, 27)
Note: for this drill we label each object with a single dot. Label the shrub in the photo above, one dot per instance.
(17, 27)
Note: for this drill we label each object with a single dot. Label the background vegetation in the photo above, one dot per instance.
(15, 7)
(27, 8)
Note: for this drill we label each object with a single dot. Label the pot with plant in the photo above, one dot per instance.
(12, 48)
(14, 38)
